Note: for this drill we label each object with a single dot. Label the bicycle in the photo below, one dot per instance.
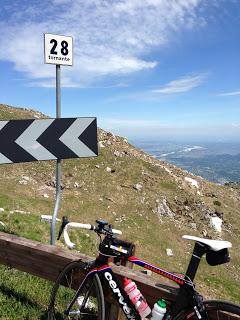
(74, 297)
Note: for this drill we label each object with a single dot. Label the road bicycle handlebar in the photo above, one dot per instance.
(100, 229)
(67, 240)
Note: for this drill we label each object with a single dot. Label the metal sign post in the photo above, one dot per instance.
(58, 50)
(58, 164)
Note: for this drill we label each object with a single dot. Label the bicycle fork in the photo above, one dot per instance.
(67, 312)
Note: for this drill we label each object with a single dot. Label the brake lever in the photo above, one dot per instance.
(65, 221)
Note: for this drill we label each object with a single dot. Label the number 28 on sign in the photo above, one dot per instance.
(58, 49)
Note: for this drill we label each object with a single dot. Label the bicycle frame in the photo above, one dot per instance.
(106, 275)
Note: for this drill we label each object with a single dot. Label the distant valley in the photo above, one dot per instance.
(217, 162)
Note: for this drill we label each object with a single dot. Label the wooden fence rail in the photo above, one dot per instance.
(47, 261)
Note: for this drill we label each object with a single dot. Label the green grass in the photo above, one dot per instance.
(22, 296)
(168, 186)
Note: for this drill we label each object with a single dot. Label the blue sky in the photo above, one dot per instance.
(154, 69)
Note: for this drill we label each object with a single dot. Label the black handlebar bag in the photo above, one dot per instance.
(117, 247)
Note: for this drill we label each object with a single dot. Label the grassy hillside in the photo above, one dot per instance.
(149, 200)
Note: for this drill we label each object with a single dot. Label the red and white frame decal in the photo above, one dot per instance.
(162, 272)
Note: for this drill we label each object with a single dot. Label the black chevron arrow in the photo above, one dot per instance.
(89, 137)
(9, 133)
(50, 139)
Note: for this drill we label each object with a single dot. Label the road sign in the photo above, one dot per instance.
(47, 139)
(58, 49)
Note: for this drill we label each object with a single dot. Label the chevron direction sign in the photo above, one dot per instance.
(47, 139)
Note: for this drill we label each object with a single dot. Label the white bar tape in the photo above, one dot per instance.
(69, 243)
(115, 231)
(79, 225)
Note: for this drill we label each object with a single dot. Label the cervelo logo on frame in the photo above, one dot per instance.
(116, 290)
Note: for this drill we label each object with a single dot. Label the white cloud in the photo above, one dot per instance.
(236, 125)
(116, 65)
(110, 37)
(230, 94)
(184, 84)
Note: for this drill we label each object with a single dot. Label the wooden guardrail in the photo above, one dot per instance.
(47, 261)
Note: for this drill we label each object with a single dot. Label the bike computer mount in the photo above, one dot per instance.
(101, 224)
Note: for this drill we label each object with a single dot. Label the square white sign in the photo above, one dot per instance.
(58, 49)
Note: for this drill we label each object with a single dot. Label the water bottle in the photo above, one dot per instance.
(136, 297)
(129, 285)
(131, 289)
(142, 307)
(159, 310)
